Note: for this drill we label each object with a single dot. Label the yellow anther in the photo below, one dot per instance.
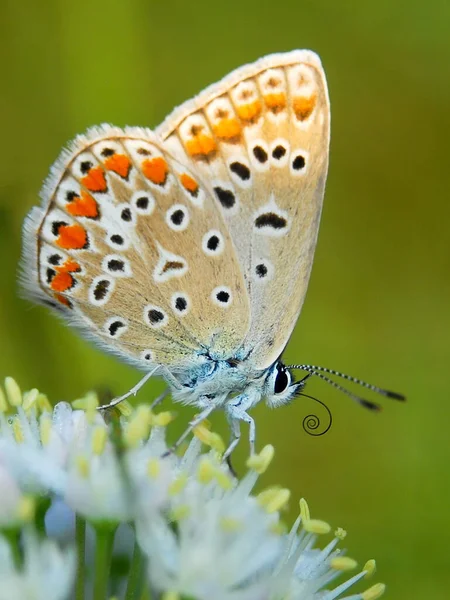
(45, 429)
(340, 533)
(370, 567)
(26, 509)
(230, 525)
(374, 592)
(179, 512)
(206, 470)
(13, 392)
(209, 438)
(43, 403)
(82, 465)
(138, 426)
(316, 526)
(260, 462)
(153, 467)
(89, 402)
(30, 398)
(304, 510)
(343, 563)
(162, 419)
(17, 430)
(178, 484)
(3, 402)
(99, 437)
(223, 479)
(274, 498)
(125, 408)
(170, 596)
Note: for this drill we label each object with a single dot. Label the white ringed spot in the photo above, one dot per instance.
(143, 202)
(177, 217)
(180, 303)
(115, 327)
(222, 296)
(101, 289)
(213, 243)
(117, 265)
(279, 152)
(155, 317)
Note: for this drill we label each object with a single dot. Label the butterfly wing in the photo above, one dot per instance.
(260, 140)
(132, 249)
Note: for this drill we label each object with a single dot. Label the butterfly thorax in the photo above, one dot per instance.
(216, 381)
(225, 382)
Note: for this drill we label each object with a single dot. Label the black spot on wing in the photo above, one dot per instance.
(226, 197)
(270, 219)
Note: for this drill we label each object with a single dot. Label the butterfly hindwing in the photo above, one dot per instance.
(259, 138)
(132, 249)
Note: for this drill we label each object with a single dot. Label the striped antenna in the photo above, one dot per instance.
(318, 372)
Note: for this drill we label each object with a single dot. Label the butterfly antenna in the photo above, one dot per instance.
(318, 371)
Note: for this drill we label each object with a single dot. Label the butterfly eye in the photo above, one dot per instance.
(282, 380)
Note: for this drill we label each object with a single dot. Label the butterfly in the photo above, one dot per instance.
(187, 251)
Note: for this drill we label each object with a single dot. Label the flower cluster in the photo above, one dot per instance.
(99, 507)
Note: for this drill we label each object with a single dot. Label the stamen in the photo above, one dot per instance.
(316, 526)
(374, 592)
(370, 567)
(209, 438)
(30, 398)
(343, 563)
(99, 438)
(304, 510)
(13, 392)
(260, 462)
(138, 426)
(273, 499)
(161, 419)
(178, 484)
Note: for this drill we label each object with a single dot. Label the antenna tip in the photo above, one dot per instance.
(370, 405)
(395, 396)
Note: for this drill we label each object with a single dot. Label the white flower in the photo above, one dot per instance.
(47, 572)
(205, 534)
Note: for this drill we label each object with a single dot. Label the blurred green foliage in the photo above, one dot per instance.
(378, 302)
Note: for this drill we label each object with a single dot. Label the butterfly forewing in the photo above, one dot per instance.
(131, 246)
(259, 139)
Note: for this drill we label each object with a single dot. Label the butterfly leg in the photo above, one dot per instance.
(134, 390)
(192, 425)
(235, 427)
(237, 412)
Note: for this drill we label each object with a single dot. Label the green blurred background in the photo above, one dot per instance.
(378, 302)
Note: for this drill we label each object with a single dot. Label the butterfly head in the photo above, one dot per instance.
(279, 388)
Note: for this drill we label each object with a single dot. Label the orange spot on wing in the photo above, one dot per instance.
(303, 106)
(62, 282)
(189, 183)
(228, 129)
(201, 145)
(275, 102)
(95, 180)
(119, 163)
(72, 237)
(84, 206)
(63, 300)
(250, 111)
(155, 169)
(69, 266)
